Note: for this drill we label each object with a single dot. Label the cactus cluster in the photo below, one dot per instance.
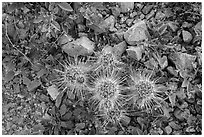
(102, 84)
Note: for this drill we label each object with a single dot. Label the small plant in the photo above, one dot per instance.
(107, 60)
(114, 116)
(146, 93)
(73, 77)
(106, 89)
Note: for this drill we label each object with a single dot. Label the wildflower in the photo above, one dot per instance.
(73, 77)
(107, 91)
(146, 93)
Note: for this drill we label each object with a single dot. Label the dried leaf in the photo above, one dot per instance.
(41, 73)
(59, 99)
(9, 76)
(125, 120)
(67, 125)
(80, 125)
(172, 99)
(63, 109)
(173, 26)
(33, 85)
(65, 6)
(55, 25)
(67, 116)
(162, 29)
(38, 19)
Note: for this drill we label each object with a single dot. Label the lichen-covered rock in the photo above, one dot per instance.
(138, 32)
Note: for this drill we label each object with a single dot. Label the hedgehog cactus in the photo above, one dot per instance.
(146, 93)
(107, 91)
(103, 84)
(73, 77)
(107, 60)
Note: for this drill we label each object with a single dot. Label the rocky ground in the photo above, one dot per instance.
(37, 36)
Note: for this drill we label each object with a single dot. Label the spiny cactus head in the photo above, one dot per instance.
(107, 60)
(107, 88)
(73, 76)
(114, 117)
(146, 93)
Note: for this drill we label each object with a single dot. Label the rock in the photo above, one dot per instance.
(81, 27)
(190, 129)
(142, 16)
(178, 132)
(150, 15)
(146, 9)
(173, 25)
(115, 11)
(133, 14)
(125, 120)
(174, 125)
(81, 46)
(168, 129)
(135, 52)
(65, 39)
(139, 5)
(86, 43)
(198, 28)
(138, 32)
(120, 48)
(109, 23)
(53, 92)
(187, 36)
(123, 19)
(159, 15)
(126, 6)
(178, 114)
(172, 71)
(129, 22)
(118, 36)
(186, 25)
(181, 115)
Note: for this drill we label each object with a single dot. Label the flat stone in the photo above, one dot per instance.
(138, 32)
(81, 46)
